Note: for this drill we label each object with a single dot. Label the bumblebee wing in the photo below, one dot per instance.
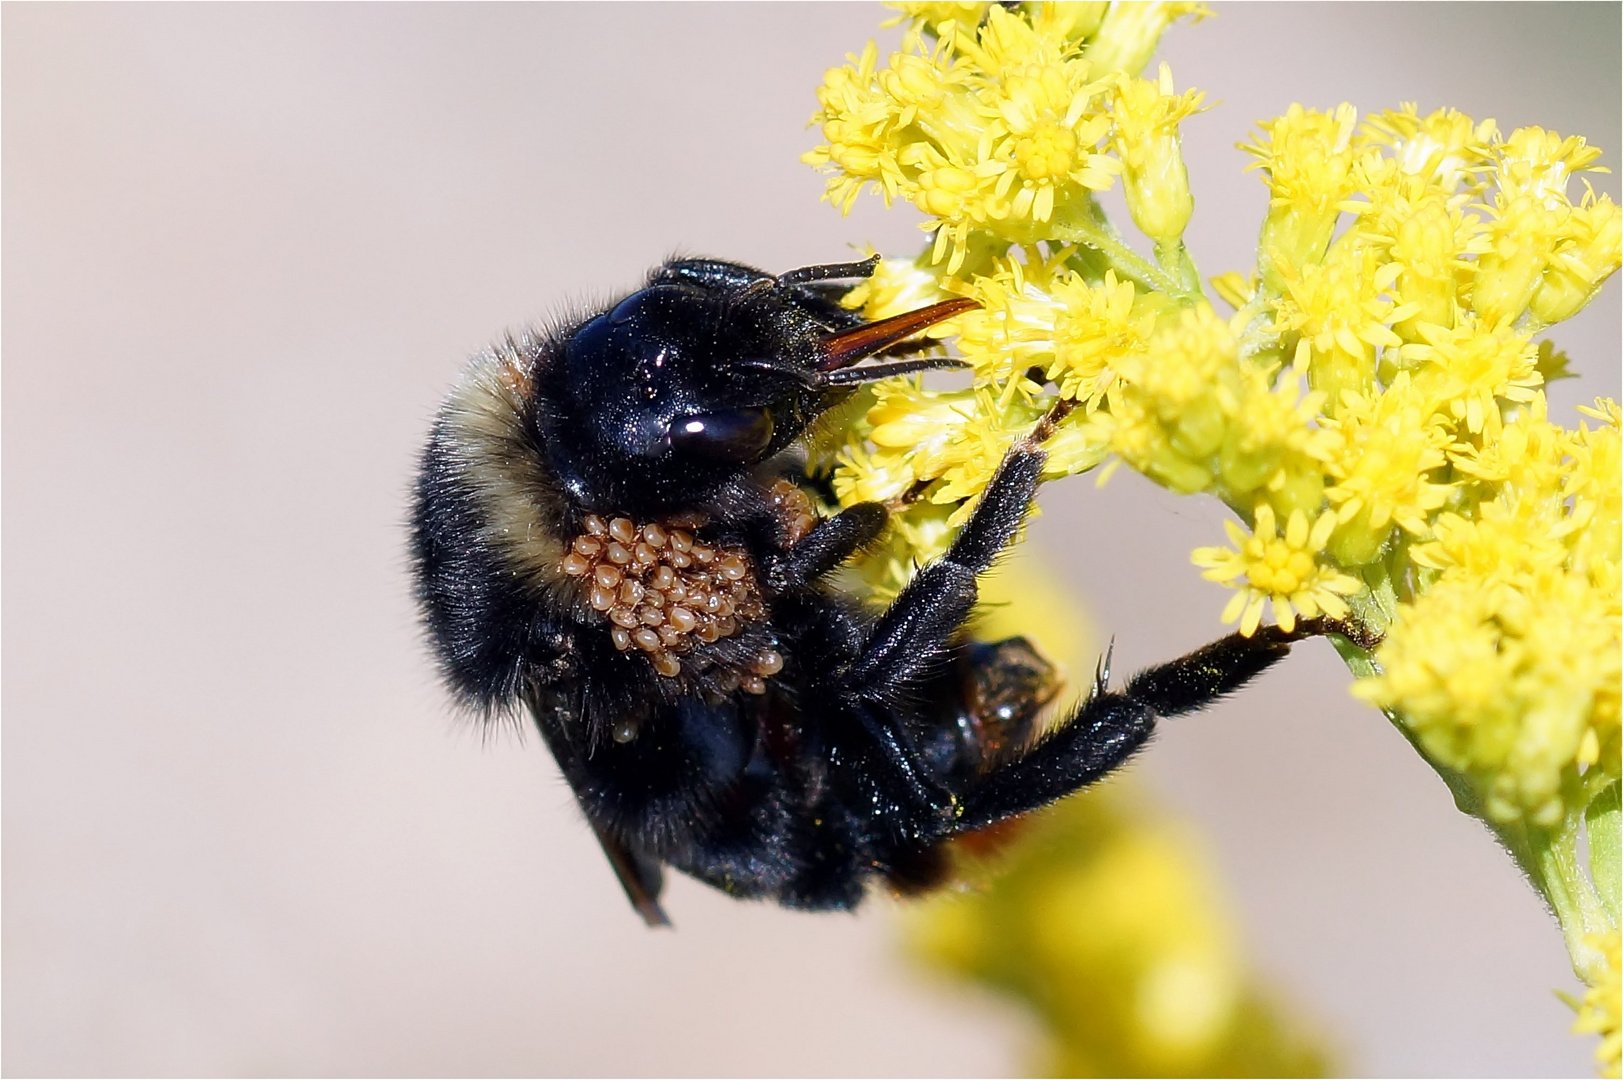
(641, 877)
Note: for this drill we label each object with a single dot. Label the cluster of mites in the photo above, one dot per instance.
(662, 590)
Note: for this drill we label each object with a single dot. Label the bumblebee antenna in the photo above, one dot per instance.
(875, 372)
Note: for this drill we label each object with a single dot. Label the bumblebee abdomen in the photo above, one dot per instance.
(486, 525)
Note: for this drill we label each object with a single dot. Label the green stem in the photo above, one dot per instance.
(1570, 895)
(1124, 260)
(1175, 259)
(1094, 232)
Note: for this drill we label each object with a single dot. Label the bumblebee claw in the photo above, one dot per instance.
(1101, 671)
(1050, 420)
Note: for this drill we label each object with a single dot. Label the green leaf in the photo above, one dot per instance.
(1605, 828)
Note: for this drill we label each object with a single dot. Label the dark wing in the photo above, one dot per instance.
(641, 877)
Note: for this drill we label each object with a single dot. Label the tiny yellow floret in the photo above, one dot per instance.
(1283, 569)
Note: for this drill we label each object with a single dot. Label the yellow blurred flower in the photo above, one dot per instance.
(1105, 919)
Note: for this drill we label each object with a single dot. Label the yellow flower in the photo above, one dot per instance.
(1530, 218)
(1541, 162)
(998, 128)
(1500, 684)
(1107, 923)
(932, 15)
(1043, 314)
(979, 449)
(1381, 449)
(949, 441)
(917, 534)
(990, 131)
(1468, 367)
(1595, 481)
(870, 477)
(1096, 329)
(1190, 413)
(1336, 309)
(1507, 666)
(1146, 139)
(1504, 543)
(1485, 538)
(1308, 157)
(1526, 454)
(1587, 256)
(1599, 1013)
(1524, 230)
(1272, 447)
(917, 433)
(1445, 149)
(1283, 569)
(1425, 231)
(1236, 289)
(1169, 418)
(898, 286)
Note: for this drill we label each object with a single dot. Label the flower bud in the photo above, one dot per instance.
(1146, 139)
(1575, 274)
(1523, 240)
(1157, 191)
(1129, 33)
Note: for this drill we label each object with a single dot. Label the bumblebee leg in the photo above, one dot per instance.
(707, 273)
(1002, 508)
(811, 287)
(1110, 725)
(830, 543)
(831, 272)
(912, 635)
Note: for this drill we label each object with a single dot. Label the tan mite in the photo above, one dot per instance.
(664, 592)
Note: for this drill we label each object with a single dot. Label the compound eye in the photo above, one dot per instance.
(732, 435)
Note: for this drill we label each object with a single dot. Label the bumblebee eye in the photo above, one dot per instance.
(732, 435)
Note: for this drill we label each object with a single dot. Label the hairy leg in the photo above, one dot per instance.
(1110, 725)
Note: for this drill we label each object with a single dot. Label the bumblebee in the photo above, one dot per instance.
(613, 529)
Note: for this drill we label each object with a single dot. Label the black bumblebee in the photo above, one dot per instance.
(612, 526)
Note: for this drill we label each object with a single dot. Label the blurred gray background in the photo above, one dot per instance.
(246, 250)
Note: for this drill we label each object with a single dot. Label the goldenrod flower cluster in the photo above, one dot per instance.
(1372, 410)
(1001, 126)
(1505, 665)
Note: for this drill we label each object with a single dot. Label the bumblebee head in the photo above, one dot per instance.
(676, 389)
